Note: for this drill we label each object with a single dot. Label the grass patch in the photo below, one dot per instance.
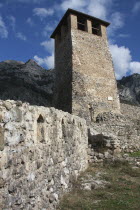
(122, 167)
(122, 193)
(135, 154)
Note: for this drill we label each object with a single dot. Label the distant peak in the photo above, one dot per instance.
(31, 61)
(32, 64)
(136, 74)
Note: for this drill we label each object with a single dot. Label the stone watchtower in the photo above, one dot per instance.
(85, 83)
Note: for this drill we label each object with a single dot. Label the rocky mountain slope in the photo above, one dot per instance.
(27, 82)
(31, 83)
(129, 89)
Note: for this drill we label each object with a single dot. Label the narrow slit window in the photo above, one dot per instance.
(96, 29)
(82, 24)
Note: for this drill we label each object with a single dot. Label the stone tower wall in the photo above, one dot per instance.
(85, 79)
(93, 74)
(63, 71)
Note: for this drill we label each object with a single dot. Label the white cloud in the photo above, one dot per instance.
(21, 36)
(12, 20)
(42, 12)
(121, 59)
(135, 67)
(48, 45)
(3, 29)
(30, 21)
(75, 4)
(47, 61)
(97, 8)
(117, 22)
(48, 29)
(123, 63)
(136, 7)
(124, 35)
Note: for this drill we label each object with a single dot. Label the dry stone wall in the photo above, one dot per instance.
(110, 141)
(41, 151)
(125, 129)
(130, 111)
(114, 134)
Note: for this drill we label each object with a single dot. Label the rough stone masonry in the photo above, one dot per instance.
(85, 83)
(41, 151)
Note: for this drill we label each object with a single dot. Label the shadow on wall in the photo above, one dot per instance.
(97, 141)
(103, 142)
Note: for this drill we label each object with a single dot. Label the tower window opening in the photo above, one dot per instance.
(82, 23)
(96, 29)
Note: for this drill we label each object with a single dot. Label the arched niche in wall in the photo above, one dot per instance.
(40, 129)
(40, 119)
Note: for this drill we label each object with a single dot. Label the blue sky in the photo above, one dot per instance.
(26, 26)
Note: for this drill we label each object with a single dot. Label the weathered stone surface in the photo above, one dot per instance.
(44, 150)
(131, 112)
(125, 129)
(102, 144)
(85, 83)
(93, 75)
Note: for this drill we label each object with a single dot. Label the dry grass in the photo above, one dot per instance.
(122, 193)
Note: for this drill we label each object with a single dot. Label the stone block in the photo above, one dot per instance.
(16, 114)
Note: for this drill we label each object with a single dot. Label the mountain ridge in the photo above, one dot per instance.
(129, 89)
(27, 82)
(36, 84)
